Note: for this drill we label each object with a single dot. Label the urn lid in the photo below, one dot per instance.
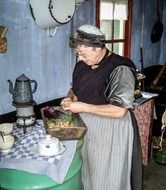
(22, 78)
(48, 140)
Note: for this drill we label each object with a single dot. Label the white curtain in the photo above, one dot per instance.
(118, 9)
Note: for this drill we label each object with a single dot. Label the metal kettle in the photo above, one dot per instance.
(22, 91)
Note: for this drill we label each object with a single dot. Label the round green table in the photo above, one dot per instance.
(11, 179)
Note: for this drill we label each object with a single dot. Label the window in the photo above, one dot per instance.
(113, 17)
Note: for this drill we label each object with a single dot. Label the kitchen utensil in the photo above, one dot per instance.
(22, 92)
(158, 27)
(2, 135)
(61, 125)
(25, 111)
(61, 150)
(160, 156)
(6, 143)
(49, 14)
(6, 128)
(48, 146)
(26, 121)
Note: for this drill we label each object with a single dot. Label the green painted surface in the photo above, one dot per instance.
(11, 179)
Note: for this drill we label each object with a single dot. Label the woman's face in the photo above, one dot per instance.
(87, 54)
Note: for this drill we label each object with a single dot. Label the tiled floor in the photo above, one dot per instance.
(154, 176)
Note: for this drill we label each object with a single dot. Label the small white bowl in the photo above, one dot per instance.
(6, 128)
(6, 145)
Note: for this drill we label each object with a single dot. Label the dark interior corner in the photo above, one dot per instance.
(160, 102)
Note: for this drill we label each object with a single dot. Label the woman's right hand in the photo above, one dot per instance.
(65, 100)
(69, 98)
(74, 107)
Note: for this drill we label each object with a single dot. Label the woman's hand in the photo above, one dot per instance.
(65, 101)
(69, 98)
(75, 107)
(107, 110)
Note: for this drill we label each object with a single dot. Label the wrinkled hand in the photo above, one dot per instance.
(65, 101)
(75, 107)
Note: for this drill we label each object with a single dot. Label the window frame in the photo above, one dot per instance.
(127, 38)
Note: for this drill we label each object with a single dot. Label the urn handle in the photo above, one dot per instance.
(10, 86)
(35, 85)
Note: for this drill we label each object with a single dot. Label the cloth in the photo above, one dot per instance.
(107, 153)
(108, 160)
(136, 172)
(23, 155)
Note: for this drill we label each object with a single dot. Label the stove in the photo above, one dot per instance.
(25, 115)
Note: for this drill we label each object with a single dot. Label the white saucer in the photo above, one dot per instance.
(62, 149)
(5, 151)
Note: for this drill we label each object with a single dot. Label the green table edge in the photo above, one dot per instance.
(11, 177)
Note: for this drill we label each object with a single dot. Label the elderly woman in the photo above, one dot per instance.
(103, 95)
